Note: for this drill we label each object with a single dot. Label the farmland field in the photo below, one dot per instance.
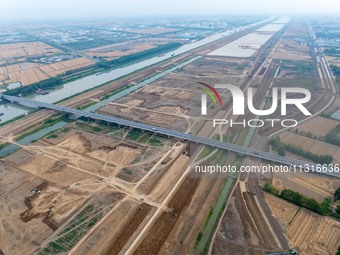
(27, 73)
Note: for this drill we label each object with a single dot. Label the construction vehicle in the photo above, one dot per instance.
(290, 251)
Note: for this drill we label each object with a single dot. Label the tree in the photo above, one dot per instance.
(338, 253)
(270, 188)
(311, 204)
(44, 84)
(292, 196)
(337, 209)
(325, 207)
(275, 142)
(267, 187)
(281, 150)
(337, 194)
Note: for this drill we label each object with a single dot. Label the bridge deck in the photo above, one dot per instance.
(167, 132)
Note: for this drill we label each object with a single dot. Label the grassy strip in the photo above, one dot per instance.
(219, 156)
(73, 232)
(206, 151)
(46, 123)
(82, 107)
(208, 217)
(224, 194)
(89, 128)
(155, 142)
(294, 215)
(199, 236)
(133, 135)
(3, 145)
(12, 120)
(116, 91)
(52, 136)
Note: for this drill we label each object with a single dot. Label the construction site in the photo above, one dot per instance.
(90, 187)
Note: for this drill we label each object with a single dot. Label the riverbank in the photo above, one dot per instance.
(73, 88)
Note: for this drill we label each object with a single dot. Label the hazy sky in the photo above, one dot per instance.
(66, 9)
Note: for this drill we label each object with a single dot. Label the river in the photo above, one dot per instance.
(43, 132)
(11, 111)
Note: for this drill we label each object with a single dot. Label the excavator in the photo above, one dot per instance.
(289, 252)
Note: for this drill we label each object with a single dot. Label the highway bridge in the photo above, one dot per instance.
(167, 132)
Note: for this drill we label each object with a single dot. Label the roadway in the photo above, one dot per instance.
(327, 80)
(166, 132)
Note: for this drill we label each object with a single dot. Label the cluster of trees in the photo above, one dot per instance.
(116, 91)
(331, 51)
(45, 84)
(83, 45)
(311, 204)
(281, 148)
(139, 55)
(304, 68)
(335, 70)
(68, 72)
(309, 134)
(271, 189)
(333, 136)
(321, 159)
(337, 194)
(329, 35)
(278, 146)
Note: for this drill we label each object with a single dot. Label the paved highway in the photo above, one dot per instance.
(166, 132)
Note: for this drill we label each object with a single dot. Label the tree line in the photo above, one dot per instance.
(311, 204)
(57, 81)
(44, 84)
(139, 55)
(333, 136)
(335, 70)
(281, 148)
